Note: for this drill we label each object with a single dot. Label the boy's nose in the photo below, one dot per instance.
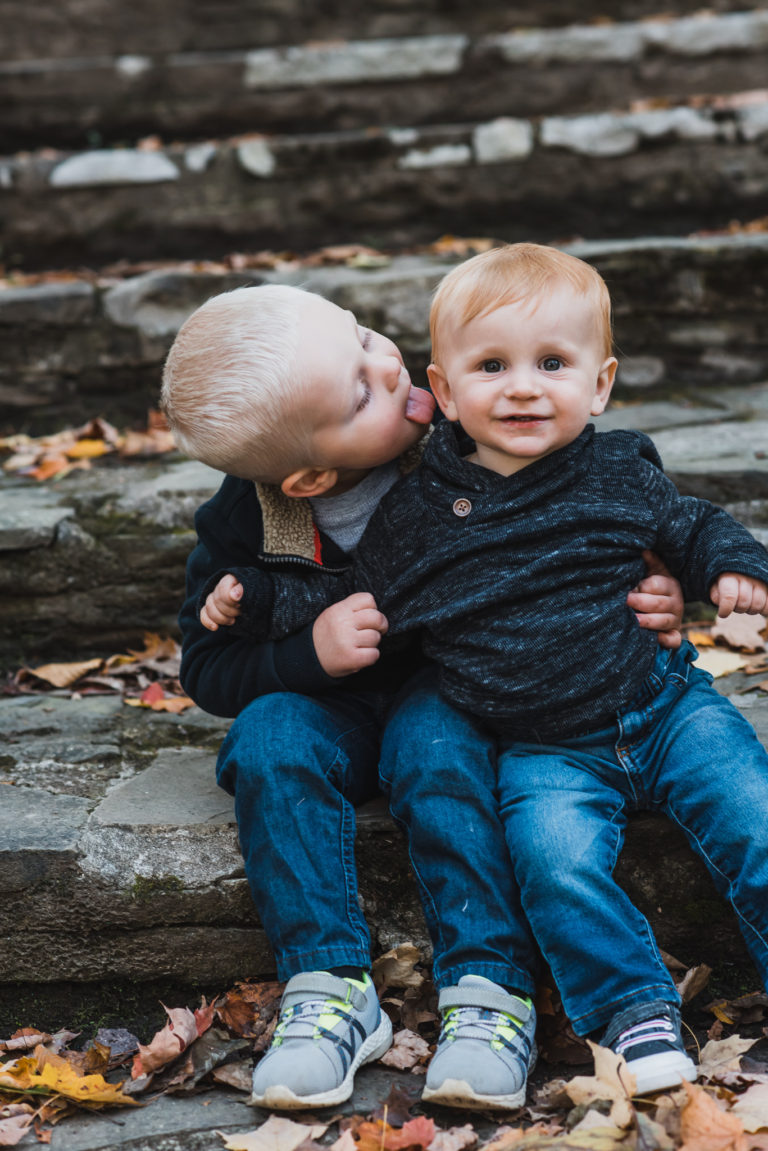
(389, 368)
(522, 384)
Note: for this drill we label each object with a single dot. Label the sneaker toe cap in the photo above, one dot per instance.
(488, 1072)
(282, 1069)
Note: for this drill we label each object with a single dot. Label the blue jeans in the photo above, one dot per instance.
(438, 767)
(680, 748)
(297, 767)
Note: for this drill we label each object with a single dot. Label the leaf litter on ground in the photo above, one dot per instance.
(43, 1080)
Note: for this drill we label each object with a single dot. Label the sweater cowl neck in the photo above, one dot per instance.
(445, 466)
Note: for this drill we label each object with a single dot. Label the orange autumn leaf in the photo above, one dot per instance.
(155, 698)
(706, 1127)
(168, 1043)
(379, 1136)
(87, 449)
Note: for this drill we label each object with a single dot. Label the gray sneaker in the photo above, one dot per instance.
(327, 1028)
(485, 1050)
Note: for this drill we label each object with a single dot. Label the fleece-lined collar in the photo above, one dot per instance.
(290, 530)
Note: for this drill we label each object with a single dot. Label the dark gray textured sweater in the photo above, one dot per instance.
(518, 583)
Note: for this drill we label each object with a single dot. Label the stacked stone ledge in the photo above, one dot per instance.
(118, 856)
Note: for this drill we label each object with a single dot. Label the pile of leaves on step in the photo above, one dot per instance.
(44, 1079)
(76, 449)
(148, 677)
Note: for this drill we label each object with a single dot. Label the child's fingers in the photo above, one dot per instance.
(670, 639)
(205, 619)
(657, 621)
(370, 618)
(725, 594)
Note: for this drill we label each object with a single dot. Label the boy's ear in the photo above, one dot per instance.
(305, 482)
(604, 384)
(442, 392)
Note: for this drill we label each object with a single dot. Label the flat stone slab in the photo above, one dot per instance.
(141, 877)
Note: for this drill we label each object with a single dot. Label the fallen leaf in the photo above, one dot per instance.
(250, 1010)
(168, 1043)
(236, 1075)
(13, 1128)
(277, 1134)
(693, 982)
(752, 1108)
(700, 638)
(719, 1055)
(741, 632)
(718, 662)
(704, 1126)
(406, 1051)
(63, 674)
(379, 1136)
(612, 1081)
(397, 968)
(454, 1139)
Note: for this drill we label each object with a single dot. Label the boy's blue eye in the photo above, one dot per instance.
(492, 366)
(365, 338)
(552, 364)
(365, 399)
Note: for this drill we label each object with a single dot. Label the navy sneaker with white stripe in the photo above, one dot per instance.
(485, 1049)
(649, 1036)
(328, 1027)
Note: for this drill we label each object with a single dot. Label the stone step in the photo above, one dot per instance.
(92, 561)
(689, 316)
(665, 171)
(85, 28)
(472, 71)
(120, 857)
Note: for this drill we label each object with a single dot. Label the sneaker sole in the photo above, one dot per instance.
(458, 1093)
(655, 1072)
(279, 1098)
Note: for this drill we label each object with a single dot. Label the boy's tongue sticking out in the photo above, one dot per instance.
(420, 406)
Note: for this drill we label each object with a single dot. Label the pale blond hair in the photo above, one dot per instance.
(231, 390)
(508, 275)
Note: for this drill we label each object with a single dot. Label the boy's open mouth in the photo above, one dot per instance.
(524, 419)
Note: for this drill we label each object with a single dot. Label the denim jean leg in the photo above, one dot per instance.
(564, 812)
(439, 769)
(296, 767)
(702, 764)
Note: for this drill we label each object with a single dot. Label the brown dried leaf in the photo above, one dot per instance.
(742, 632)
(752, 1108)
(612, 1081)
(406, 1051)
(14, 1127)
(454, 1139)
(704, 1126)
(62, 674)
(693, 982)
(168, 1043)
(250, 1009)
(397, 968)
(277, 1134)
(719, 1055)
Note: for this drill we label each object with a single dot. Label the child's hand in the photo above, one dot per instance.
(740, 593)
(222, 606)
(658, 602)
(347, 634)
